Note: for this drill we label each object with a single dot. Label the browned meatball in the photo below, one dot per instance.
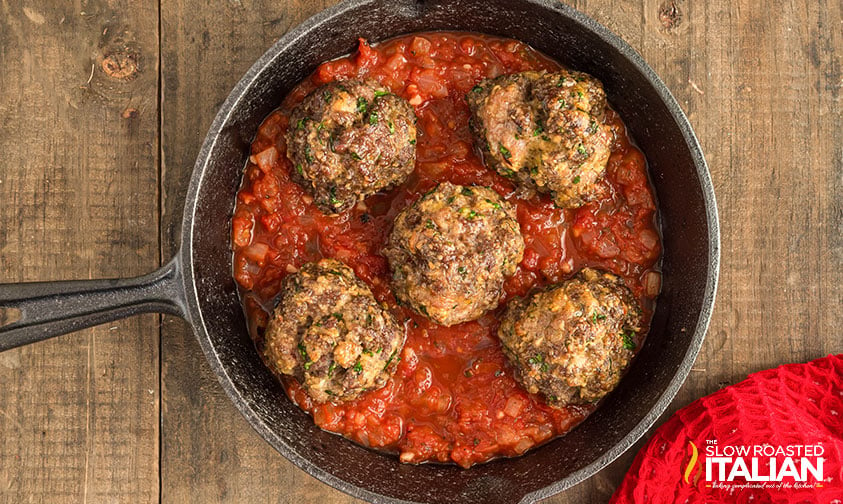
(544, 130)
(350, 139)
(450, 252)
(571, 343)
(331, 334)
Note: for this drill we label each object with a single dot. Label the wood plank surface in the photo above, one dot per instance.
(209, 452)
(760, 82)
(78, 200)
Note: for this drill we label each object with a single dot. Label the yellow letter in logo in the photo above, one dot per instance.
(693, 462)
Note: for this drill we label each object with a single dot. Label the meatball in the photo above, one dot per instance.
(330, 333)
(348, 140)
(571, 343)
(450, 251)
(545, 130)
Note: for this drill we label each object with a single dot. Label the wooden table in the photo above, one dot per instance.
(104, 104)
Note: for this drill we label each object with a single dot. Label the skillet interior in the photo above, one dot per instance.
(688, 219)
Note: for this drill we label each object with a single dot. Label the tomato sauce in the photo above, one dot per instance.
(453, 397)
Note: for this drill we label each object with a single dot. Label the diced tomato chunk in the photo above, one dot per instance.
(241, 230)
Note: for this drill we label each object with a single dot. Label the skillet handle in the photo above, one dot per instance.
(48, 309)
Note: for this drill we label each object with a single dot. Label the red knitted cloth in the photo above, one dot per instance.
(792, 405)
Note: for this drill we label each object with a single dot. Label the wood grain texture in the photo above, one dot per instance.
(79, 199)
(760, 81)
(209, 452)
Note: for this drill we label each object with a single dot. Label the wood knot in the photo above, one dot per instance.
(670, 16)
(121, 65)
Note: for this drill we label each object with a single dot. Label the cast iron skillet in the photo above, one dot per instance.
(197, 284)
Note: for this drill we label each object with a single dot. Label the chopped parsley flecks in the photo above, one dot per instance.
(628, 341)
(333, 196)
(504, 152)
(539, 359)
(494, 204)
(391, 357)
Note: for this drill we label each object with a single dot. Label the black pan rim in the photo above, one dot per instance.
(194, 314)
